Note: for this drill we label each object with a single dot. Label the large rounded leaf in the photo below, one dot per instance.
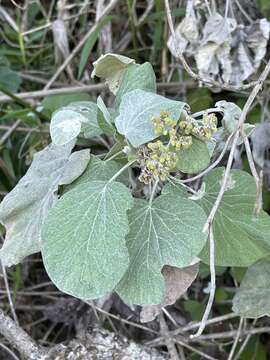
(168, 232)
(84, 249)
(240, 239)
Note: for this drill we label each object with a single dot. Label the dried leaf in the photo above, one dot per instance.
(177, 281)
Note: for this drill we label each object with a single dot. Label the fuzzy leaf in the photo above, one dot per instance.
(136, 111)
(137, 77)
(177, 281)
(83, 247)
(104, 118)
(194, 159)
(69, 121)
(99, 170)
(240, 240)
(168, 232)
(75, 166)
(231, 115)
(111, 67)
(24, 209)
(252, 299)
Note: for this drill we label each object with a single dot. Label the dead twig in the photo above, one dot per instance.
(83, 88)
(212, 283)
(169, 341)
(257, 177)
(19, 338)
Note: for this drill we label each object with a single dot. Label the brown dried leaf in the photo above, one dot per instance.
(177, 282)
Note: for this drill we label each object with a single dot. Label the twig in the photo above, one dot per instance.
(241, 121)
(169, 341)
(258, 178)
(106, 11)
(212, 285)
(236, 339)
(194, 75)
(209, 222)
(215, 320)
(43, 93)
(8, 294)
(213, 165)
(231, 334)
(83, 88)
(245, 342)
(9, 132)
(11, 353)
(19, 338)
(194, 350)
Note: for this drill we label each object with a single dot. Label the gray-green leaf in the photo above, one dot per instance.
(252, 299)
(136, 111)
(240, 240)
(195, 158)
(24, 209)
(111, 67)
(99, 170)
(104, 118)
(168, 232)
(231, 115)
(137, 77)
(83, 247)
(69, 121)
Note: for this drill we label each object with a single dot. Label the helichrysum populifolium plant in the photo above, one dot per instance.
(100, 235)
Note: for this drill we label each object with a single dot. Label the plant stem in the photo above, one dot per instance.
(122, 170)
(153, 192)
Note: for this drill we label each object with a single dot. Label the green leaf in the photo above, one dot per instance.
(168, 232)
(90, 42)
(24, 209)
(75, 166)
(193, 159)
(137, 77)
(83, 248)
(111, 67)
(88, 109)
(136, 111)
(240, 240)
(9, 79)
(231, 115)
(54, 102)
(199, 99)
(104, 118)
(69, 121)
(99, 170)
(252, 299)
(195, 309)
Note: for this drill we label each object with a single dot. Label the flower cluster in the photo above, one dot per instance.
(157, 161)
(163, 123)
(202, 129)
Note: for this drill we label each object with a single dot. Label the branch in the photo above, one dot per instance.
(84, 88)
(19, 338)
(241, 121)
(212, 284)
